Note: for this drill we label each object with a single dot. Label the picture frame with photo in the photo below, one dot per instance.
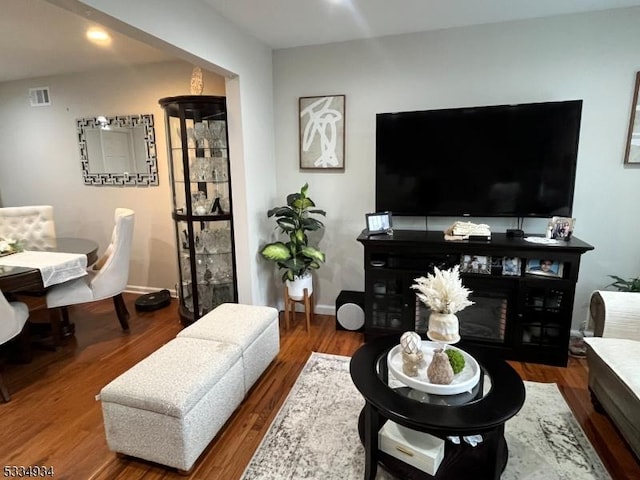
(545, 267)
(496, 265)
(379, 223)
(560, 228)
(479, 264)
(511, 266)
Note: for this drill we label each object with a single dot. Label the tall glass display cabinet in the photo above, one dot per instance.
(202, 211)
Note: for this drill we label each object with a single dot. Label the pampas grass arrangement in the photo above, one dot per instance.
(443, 291)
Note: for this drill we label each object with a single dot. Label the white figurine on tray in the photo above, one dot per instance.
(412, 355)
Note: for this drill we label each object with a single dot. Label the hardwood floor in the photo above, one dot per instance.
(54, 420)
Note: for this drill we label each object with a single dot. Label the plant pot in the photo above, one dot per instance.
(443, 328)
(296, 287)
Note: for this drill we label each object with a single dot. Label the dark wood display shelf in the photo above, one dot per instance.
(197, 140)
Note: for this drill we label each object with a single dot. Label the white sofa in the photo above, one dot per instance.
(168, 407)
(613, 357)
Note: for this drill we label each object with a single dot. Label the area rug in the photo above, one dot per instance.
(315, 434)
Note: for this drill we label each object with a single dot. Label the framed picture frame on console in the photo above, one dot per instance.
(475, 264)
(561, 228)
(544, 267)
(496, 265)
(379, 223)
(511, 266)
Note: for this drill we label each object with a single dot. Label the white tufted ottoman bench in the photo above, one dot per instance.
(253, 329)
(168, 407)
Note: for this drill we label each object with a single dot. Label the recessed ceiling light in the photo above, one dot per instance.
(98, 36)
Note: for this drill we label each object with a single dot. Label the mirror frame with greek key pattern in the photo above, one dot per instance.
(147, 177)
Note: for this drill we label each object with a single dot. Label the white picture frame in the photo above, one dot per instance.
(379, 223)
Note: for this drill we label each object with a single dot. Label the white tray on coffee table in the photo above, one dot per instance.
(462, 382)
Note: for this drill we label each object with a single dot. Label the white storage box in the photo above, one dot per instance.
(418, 449)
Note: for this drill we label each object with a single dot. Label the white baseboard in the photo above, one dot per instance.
(137, 289)
(578, 333)
(319, 308)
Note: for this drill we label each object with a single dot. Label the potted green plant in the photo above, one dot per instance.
(622, 285)
(9, 246)
(295, 256)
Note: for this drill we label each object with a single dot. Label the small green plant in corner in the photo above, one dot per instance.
(9, 245)
(294, 219)
(622, 285)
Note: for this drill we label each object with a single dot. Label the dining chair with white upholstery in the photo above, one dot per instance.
(32, 225)
(107, 279)
(13, 316)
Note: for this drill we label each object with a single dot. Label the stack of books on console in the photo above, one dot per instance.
(468, 231)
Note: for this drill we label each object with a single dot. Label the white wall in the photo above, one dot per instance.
(592, 57)
(192, 29)
(40, 160)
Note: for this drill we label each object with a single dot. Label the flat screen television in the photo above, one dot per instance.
(493, 161)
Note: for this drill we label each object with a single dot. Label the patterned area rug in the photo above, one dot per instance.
(315, 434)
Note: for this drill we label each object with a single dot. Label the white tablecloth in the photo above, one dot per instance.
(55, 267)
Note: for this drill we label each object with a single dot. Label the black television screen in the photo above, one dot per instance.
(494, 161)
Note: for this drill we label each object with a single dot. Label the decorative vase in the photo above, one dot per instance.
(296, 287)
(197, 83)
(443, 327)
(439, 370)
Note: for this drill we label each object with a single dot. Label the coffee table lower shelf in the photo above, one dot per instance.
(460, 461)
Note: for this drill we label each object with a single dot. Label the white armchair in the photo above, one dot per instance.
(613, 357)
(107, 279)
(32, 225)
(13, 316)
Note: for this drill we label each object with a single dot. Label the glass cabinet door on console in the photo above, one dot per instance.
(491, 318)
(201, 191)
(389, 306)
(546, 308)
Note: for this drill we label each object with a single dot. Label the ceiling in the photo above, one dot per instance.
(293, 23)
(40, 39)
(55, 44)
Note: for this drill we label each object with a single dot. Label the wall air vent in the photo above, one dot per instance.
(39, 96)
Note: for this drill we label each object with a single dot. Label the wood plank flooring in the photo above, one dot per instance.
(54, 420)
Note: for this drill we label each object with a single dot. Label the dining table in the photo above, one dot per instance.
(16, 278)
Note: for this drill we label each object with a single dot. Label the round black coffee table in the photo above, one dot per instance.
(498, 396)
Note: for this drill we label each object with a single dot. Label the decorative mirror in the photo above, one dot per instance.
(118, 150)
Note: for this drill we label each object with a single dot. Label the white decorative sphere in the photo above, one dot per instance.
(411, 342)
